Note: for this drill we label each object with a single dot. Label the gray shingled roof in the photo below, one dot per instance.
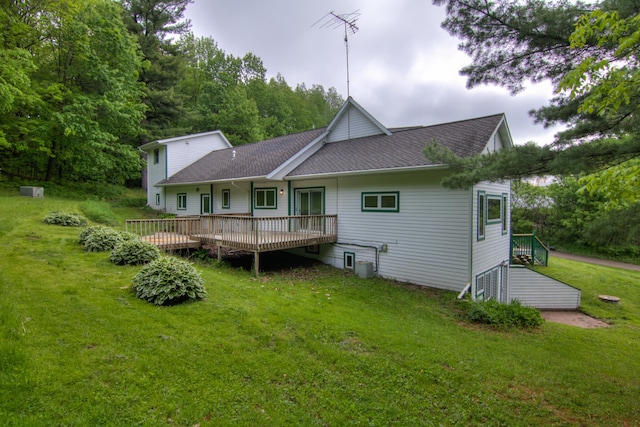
(403, 148)
(251, 160)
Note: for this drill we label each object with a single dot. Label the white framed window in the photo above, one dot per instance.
(265, 198)
(158, 199)
(386, 201)
(226, 199)
(156, 156)
(349, 260)
(182, 201)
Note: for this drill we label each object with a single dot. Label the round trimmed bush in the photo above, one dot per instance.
(86, 232)
(134, 252)
(169, 281)
(65, 219)
(101, 239)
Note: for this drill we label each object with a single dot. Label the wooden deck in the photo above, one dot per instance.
(239, 232)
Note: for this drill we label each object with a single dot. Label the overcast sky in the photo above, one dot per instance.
(403, 66)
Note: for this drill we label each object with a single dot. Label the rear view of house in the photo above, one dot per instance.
(367, 192)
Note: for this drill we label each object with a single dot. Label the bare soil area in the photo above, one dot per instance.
(573, 318)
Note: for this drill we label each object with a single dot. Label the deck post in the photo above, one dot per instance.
(256, 262)
(219, 253)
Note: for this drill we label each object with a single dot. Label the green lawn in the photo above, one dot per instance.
(312, 346)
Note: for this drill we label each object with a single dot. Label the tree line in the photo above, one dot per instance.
(83, 83)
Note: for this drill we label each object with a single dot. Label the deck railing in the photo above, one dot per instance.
(240, 231)
(528, 249)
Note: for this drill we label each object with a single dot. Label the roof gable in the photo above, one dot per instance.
(402, 149)
(353, 121)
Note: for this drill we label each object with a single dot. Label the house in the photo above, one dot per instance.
(371, 186)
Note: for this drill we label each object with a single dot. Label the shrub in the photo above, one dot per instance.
(101, 239)
(65, 219)
(86, 232)
(99, 212)
(169, 281)
(134, 252)
(495, 313)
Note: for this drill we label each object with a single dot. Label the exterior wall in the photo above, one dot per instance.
(494, 249)
(156, 173)
(426, 242)
(358, 123)
(193, 199)
(239, 193)
(186, 150)
(536, 290)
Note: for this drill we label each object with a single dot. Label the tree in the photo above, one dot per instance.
(153, 22)
(582, 49)
(79, 92)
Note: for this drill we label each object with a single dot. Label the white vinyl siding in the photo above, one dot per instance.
(494, 248)
(426, 243)
(184, 151)
(239, 198)
(156, 172)
(353, 124)
(536, 290)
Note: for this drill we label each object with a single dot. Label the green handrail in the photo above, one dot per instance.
(528, 249)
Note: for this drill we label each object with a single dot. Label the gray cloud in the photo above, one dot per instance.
(403, 66)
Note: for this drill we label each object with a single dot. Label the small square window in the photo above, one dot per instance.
(494, 209)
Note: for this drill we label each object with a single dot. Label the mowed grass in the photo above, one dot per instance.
(304, 346)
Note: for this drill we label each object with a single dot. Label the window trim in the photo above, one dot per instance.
(351, 255)
(225, 192)
(505, 213)
(265, 189)
(481, 208)
(497, 220)
(208, 205)
(181, 206)
(156, 156)
(157, 199)
(379, 195)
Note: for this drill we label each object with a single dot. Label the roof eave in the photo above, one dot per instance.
(367, 172)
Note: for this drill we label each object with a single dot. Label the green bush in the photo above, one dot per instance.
(65, 219)
(101, 239)
(134, 252)
(99, 212)
(495, 313)
(169, 281)
(86, 232)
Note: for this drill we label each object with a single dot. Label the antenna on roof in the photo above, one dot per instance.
(348, 21)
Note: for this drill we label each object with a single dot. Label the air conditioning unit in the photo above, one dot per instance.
(32, 191)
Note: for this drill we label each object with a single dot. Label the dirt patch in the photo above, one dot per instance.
(573, 318)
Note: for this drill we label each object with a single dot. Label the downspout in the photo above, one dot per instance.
(473, 230)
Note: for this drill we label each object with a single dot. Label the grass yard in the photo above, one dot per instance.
(305, 346)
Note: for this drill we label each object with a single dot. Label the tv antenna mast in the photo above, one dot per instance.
(348, 21)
